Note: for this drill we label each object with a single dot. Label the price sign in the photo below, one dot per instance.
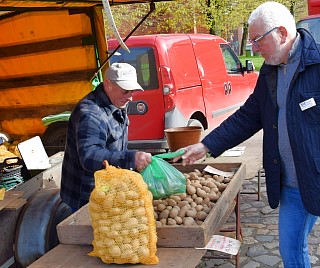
(224, 244)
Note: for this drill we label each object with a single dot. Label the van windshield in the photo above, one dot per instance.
(142, 58)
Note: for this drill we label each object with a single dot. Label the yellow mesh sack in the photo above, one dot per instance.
(121, 210)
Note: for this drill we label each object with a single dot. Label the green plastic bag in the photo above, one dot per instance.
(162, 178)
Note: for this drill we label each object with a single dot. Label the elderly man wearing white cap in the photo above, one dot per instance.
(98, 131)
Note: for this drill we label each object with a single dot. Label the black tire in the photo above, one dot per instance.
(63, 211)
(36, 229)
(54, 138)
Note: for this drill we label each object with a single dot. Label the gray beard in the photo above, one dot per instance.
(277, 57)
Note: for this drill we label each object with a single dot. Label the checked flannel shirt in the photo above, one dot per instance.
(97, 131)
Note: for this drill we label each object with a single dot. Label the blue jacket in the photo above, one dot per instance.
(260, 112)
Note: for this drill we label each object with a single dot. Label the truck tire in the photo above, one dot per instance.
(36, 231)
(54, 138)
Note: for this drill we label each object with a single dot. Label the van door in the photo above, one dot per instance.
(147, 108)
(225, 87)
(238, 83)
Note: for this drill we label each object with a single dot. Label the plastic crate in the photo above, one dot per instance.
(12, 173)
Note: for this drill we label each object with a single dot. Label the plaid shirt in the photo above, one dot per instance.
(97, 131)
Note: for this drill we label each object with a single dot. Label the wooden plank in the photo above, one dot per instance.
(74, 256)
(44, 46)
(77, 229)
(9, 197)
(15, 112)
(16, 204)
(29, 187)
(46, 79)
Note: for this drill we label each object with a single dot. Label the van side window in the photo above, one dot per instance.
(231, 61)
(143, 60)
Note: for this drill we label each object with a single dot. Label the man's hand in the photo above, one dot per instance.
(142, 160)
(192, 153)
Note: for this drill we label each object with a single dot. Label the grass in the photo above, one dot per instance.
(257, 61)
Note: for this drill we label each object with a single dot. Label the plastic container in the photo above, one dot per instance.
(180, 137)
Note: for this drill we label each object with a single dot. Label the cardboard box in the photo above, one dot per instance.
(77, 229)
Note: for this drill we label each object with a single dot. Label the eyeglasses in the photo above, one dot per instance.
(258, 39)
(124, 91)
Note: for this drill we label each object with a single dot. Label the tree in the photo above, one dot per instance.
(220, 17)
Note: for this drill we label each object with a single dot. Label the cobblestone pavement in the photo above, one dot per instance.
(259, 224)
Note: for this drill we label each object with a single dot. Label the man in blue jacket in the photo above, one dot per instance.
(98, 131)
(286, 105)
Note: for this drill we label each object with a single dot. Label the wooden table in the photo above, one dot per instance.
(175, 246)
(70, 256)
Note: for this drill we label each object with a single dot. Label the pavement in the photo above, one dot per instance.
(259, 223)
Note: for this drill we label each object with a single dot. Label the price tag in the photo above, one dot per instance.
(213, 170)
(223, 244)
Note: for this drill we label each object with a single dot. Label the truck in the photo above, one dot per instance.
(312, 21)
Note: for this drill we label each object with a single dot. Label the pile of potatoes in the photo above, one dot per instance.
(192, 208)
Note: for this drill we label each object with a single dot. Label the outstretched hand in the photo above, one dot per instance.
(192, 153)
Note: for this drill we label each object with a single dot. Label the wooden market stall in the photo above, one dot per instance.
(176, 244)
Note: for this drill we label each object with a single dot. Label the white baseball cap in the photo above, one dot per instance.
(124, 75)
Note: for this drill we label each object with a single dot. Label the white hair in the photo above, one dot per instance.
(273, 14)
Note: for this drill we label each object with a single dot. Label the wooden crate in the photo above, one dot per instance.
(77, 229)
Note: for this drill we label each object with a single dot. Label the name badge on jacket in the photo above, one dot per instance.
(307, 104)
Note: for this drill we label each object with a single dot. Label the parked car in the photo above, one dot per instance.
(188, 79)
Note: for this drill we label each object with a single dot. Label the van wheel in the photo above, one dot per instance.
(196, 123)
(36, 229)
(54, 138)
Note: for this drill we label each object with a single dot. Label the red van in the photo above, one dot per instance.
(188, 79)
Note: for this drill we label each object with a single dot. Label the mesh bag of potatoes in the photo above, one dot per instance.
(121, 210)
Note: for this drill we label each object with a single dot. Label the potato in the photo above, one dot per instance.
(198, 200)
(201, 215)
(188, 221)
(183, 203)
(161, 207)
(171, 221)
(164, 214)
(178, 220)
(201, 193)
(174, 212)
(191, 213)
(172, 202)
(199, 207)
(213, 197)
(191, 189)
(175, 198)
